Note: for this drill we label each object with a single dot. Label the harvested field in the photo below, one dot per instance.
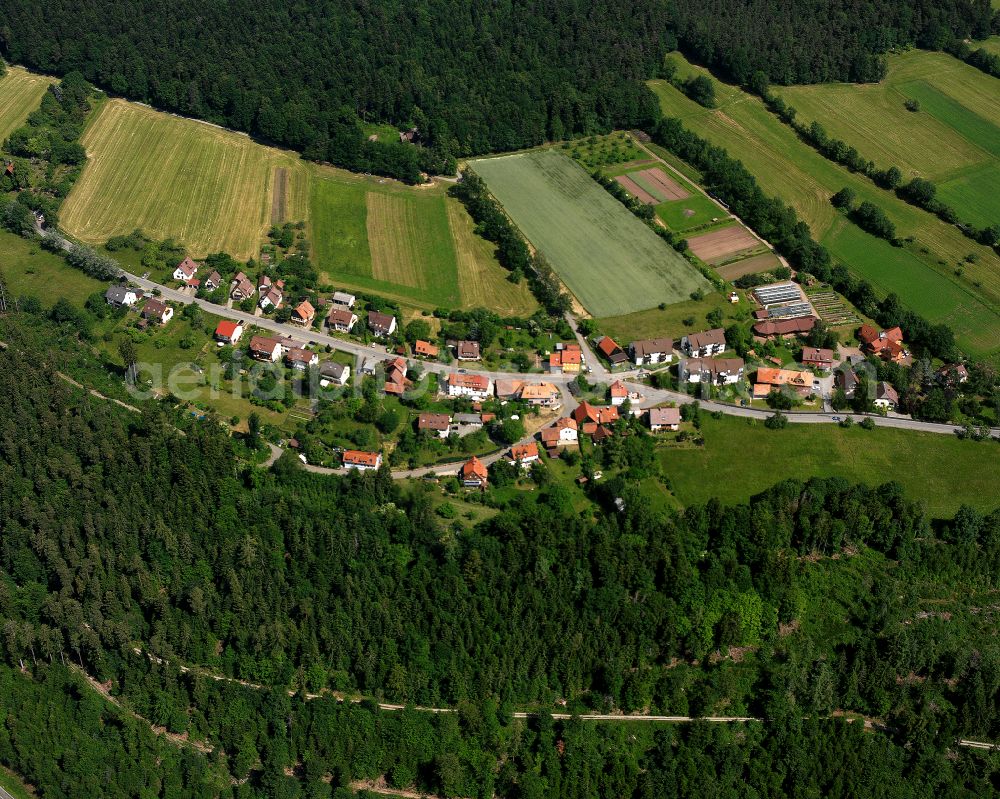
(208, 188)
(636, 190)
(749, 266)
(401, 241)
(20, 94)
(667, 189)
(279, 196)
(608, 258)
(719, 246)
(482, 281)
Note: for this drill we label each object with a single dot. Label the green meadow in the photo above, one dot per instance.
(922, 272)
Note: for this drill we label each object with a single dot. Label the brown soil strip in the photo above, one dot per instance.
(636, 190)
(671, 190)
(279, 199)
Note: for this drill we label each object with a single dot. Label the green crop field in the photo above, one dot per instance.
(414, 245)
(956, 132)
(210, 189)
(678, 215)
(739, 460)
(20, 94)
(609, 259)
(787, 168)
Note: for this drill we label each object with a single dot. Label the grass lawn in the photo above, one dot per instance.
(210, 189)
(20, 94)
(607, 257)
(670, 322)
(13, 785)
(740, 459)
(955, 134)
(27, 269)
(787, 168)
(691, 212)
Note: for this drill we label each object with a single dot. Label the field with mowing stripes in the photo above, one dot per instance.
(921, 273)
(210, 189)
(953, 140)
(414, 245)
(610, 260)
(20, 94)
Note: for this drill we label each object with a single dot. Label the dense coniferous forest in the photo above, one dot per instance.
(130, 549)
(473, 77)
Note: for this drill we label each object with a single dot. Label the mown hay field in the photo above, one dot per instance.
(414, 245)
(209, 189)
(609, 259)
(921, 273)
(954, 136)
(20, 94)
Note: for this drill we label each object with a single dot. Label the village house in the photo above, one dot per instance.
(783, 328)
(473, 473)
(562, 432)
(343, 299)
(524, 455)
(270, 294)
(301, 359)
(719, 371)
(952, 373)
(157, 311)
(886, 397)
(846, 380)
(185, 270)
(543, 395)
(886, 344)
(610, 350)
(817, 358)
(567, 359)
(436, 424)
(362, 461)
(341, 319)
(467, 351)
(213, 281)
(121, 297)
(705, 344)
(425, 349)
(396, 381)
(263, 348)
(241, 287)
(381, 324)
(661, 419)
(646, 352)
(477, 387)
(590, 418)
(618, 393)
(508, 388)
(303, 314)
(228, 332)
(769, 379)
(333, 372)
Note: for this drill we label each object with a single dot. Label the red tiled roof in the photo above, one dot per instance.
(521, 452)
(473, 468)
(361, 458)
(226, 328)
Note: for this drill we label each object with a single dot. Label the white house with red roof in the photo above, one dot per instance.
(228, 332)
(185, 270)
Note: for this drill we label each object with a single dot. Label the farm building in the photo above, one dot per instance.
(781, 328)
(817, 358)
